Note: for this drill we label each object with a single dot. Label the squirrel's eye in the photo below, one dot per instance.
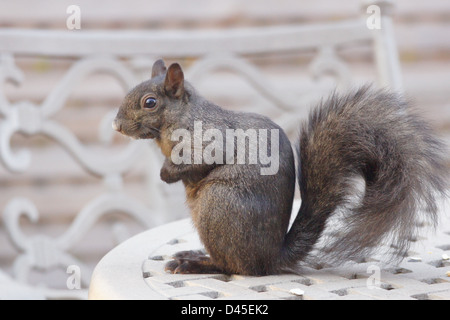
(149, 103)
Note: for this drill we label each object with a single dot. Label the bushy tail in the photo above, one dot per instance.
(374, 135)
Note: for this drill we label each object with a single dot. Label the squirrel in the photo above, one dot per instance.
(242, 214)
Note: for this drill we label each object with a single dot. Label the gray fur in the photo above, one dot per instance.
(374, 134)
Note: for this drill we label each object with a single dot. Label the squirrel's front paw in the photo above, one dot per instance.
(168, 176)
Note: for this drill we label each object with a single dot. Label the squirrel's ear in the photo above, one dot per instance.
(174, 82)
(158, 68)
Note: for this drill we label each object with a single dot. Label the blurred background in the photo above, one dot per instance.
(59, 187)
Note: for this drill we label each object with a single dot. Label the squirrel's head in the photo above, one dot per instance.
(147, 107)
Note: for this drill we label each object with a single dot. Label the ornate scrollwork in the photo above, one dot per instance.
(43, 252)
(328, 62)
(30, 119)
(287, 103)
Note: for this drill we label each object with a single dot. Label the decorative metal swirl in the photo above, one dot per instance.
(41, 251)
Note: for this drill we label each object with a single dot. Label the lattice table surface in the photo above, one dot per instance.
(133, 271)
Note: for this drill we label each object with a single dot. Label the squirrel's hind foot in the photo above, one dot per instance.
(195, 261)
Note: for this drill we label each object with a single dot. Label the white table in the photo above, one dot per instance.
(135, 270)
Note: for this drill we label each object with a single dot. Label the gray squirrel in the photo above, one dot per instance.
(242, 216)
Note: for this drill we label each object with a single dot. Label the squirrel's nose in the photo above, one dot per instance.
(116, 125)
